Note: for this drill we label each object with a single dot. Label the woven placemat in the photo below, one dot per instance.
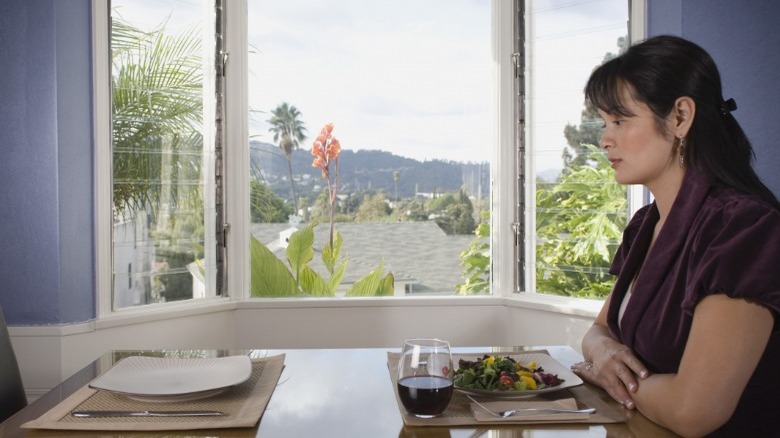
(242, 404)
(458, 412)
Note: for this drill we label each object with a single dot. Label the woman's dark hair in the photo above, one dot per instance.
(664, 68)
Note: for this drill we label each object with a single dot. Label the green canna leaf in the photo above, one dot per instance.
(312, 283)
(387, 285)
(331, 255)
(369, 285)
(300, 249)
(270, 277)
(338, 274)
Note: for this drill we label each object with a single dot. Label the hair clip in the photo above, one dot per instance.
(727, 106)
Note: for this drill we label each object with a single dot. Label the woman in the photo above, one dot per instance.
(689, 335)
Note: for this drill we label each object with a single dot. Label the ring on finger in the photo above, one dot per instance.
(582, 366)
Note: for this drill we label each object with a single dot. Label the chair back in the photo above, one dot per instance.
(12, 397)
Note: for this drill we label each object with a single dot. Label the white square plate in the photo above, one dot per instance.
(543, 360)
(173, 379)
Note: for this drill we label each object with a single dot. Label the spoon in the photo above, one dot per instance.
(510, 412)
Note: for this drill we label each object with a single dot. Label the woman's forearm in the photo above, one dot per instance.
(594, 340)
(665, 400)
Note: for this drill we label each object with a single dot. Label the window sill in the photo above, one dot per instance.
(556, 304)
(547, 303)
(157, 312)
(422, 301)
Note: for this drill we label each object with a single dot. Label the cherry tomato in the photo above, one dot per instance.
(506, 381)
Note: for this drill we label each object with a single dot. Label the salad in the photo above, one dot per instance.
(502, 373)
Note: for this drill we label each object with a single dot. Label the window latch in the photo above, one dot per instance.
(222, 60)
(516, 62)
(517, 229)
(225, 229)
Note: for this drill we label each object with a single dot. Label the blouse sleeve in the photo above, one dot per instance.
(629, 234)
(736, 251)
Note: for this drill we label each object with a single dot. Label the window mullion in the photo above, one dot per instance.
(101, 95)
(236, 149)
(220, 225)
(520, 265)
(504, 196)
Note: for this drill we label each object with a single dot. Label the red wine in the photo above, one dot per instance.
(426, 395)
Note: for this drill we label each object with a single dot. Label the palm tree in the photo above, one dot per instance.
(157, 117)
(289, 132)
(157, 144)
(396, 177)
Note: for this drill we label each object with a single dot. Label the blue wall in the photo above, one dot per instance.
(46, 169)
(46, 193)
(744, 40)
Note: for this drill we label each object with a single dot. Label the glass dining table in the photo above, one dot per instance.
(341, 392)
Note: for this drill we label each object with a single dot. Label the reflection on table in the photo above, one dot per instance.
(329, 393)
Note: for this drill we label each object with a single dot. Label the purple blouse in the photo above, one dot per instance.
(715, 241)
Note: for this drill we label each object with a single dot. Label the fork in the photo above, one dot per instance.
(510, 412)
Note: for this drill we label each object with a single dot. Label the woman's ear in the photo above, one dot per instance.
(684, 112)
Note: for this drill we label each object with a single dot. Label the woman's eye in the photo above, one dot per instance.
(611, 122)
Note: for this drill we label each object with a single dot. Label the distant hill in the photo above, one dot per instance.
(367, 170)
(549, 175)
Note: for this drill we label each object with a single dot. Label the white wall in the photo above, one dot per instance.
(48, 355)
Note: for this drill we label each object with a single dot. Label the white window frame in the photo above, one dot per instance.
(103, 164)
(503, 198)
(101, 102)
(237, 150)
(503, 193)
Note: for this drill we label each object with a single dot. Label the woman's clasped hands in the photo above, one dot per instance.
(615, 369)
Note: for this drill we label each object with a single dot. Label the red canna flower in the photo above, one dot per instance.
(326, 150)
(333, 149)
(319, 162)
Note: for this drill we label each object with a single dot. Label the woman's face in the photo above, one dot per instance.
(637, 152)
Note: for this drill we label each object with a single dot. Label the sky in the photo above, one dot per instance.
(413, 77)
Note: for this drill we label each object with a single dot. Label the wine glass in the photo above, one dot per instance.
(425, 377)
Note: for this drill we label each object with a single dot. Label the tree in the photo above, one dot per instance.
(579, 224)
(413, 211)
(457, 219)
(578, 137)
(157, 113)
(157, 149)
(439, 204)
(265, 206)
(396, 177)
(349, 205)
(590, 128)
(476, 261)
(289, 131)
(373, 208)
(320, 208)
(455, 214)
(580, 217)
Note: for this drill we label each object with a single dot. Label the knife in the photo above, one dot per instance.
(88, 414)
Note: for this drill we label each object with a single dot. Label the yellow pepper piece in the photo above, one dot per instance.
(529, 381)
(525, 373)
(531, 365)
(489, 360)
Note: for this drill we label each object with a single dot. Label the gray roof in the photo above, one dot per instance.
(419, 253)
